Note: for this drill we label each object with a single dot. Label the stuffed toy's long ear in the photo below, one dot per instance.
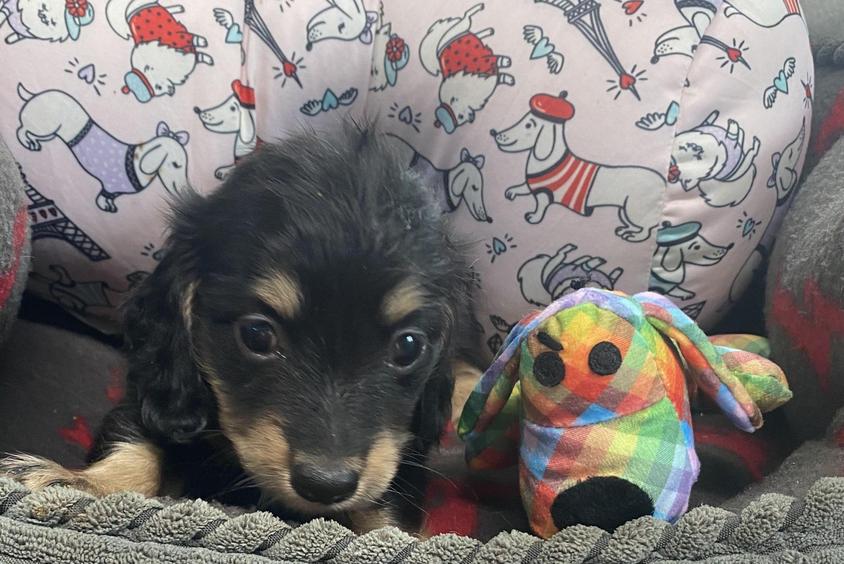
(707, 366)
(489, 423)
(763, 380)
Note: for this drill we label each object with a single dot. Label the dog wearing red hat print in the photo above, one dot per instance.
(470, 70)
(234, 115)
(555, 175)
(165, 53)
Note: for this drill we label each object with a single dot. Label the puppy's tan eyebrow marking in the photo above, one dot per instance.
(405, 298)
(282, 292)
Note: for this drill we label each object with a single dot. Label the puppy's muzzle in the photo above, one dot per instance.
(326, 483)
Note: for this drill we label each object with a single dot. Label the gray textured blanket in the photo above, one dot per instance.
(64, 525)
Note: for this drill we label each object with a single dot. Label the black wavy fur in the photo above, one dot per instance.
(338, 212)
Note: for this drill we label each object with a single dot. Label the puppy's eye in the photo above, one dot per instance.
(407, 348)
(256, 335)
(605, 359)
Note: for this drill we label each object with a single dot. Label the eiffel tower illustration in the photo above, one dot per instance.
(48, 221)
(585, 15)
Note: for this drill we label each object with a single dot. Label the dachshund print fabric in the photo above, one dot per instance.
(628, 145)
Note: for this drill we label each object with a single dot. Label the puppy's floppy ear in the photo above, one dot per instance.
(175, 404)
(433, 409)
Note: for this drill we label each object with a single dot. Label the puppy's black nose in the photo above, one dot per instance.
(196, 110)
(493, 132)
(324, 484)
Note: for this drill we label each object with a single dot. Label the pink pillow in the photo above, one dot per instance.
(628, 144)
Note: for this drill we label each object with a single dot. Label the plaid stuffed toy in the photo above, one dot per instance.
(593, 394)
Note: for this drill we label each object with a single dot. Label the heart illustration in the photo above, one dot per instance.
(329, 101)
(405, 115)
(542, 49)
(672, 113)
(626, 81)
(87, 73)
(234, 35)
(289, 68)
(498, 246)
(781, 82)
(734, 54)
(748, 227)
(632, 6)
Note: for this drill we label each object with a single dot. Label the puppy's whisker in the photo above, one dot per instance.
(408, 499)
(414, 464)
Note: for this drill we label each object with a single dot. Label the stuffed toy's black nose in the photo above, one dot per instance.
(323, 484)
(604, 502)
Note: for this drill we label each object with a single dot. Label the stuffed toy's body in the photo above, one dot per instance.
(593, 395)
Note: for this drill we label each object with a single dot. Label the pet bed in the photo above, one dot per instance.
(64, 525)
(794, 515)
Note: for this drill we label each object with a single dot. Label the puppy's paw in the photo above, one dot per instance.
(37, 473)
(365, 520)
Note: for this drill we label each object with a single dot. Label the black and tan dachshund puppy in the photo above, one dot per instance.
(295, 347)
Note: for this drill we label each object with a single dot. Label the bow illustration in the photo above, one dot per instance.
(163, 130)
(366, 35)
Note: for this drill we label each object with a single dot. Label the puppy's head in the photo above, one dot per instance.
(308, 309)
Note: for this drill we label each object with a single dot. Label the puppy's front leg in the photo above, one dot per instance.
(122, 459)
(133, 466)
(465, 377)
(372, 518)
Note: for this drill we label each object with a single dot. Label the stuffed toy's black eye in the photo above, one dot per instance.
(548, 369)
(256, 335)
(605, 359)
(407, 348)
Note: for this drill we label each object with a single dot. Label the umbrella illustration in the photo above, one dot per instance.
(256, 23)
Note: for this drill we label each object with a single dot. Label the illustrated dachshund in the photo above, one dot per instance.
(120, 168)
(554, 175)
(235, 114)
(677, 247)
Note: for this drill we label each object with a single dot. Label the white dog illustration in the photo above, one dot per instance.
(235, 114)
(764, 14)
(390, 54)
(47, 20)
(469, 68)
(462, 183)
(546, 278)
(676, 247)
(784, 177)
(554, 175)
(685, 39)
(165, 52)
(120, 168)
(715, 161)
(346, 20)
(784, 180)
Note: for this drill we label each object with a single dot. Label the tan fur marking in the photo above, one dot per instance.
(265, 453)
(281, 292)
(465, 378)
(128, 467)
(186, 305)
(402, 300)
(372, 518)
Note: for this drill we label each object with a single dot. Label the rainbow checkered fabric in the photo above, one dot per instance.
(619, 406)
